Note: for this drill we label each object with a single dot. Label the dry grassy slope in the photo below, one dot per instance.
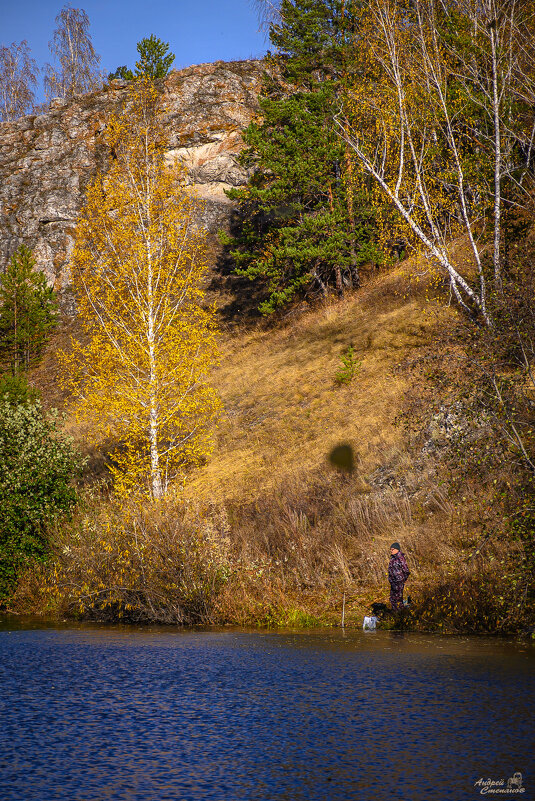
(284, 411)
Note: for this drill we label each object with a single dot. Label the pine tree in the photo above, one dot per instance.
(28, 313)
(121, 74)
(313, 39)
(154, 59)
(300, 227)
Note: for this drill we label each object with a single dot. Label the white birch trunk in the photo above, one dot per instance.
(155, 470)
(496, 256)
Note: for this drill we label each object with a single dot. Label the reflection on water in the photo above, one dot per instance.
(91, 714)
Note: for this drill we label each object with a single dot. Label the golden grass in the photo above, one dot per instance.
(284, 411)
(300, 533)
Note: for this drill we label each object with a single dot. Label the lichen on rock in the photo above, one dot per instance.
(47, 160)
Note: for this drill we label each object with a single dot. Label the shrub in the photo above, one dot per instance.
(37, 466)
(14, 389)
(350, 366)
(149, 563)
(484, 598)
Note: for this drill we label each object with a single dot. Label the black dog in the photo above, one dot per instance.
(380, 610)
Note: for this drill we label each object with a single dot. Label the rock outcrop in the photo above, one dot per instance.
(46, 161)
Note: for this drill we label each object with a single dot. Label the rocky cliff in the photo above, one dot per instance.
(46, 161)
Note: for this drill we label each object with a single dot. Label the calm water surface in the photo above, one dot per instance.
(91, 714)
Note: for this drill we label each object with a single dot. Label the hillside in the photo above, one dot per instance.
(283, 408)
(299, 532)
(436, 408)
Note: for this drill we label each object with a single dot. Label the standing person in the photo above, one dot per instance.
(398, 573)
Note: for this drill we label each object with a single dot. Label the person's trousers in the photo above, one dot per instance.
(396, 595)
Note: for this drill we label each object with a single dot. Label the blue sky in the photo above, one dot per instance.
(197, 30)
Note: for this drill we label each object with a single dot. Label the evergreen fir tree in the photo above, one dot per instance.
(28, 312)
(297, 225)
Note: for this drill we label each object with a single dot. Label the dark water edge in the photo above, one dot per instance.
(93, 712)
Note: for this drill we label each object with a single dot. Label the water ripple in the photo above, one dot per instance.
(98, 714)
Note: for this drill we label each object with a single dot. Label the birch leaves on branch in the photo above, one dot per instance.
(445, 126)
(140, 374)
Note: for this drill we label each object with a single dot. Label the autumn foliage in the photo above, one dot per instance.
(139, 373)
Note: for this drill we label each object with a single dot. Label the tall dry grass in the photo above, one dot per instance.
(284, 409)
(139, 562)
(266, 532)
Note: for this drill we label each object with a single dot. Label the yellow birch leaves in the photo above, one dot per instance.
(140, 375)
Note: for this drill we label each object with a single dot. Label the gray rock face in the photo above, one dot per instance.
(46, 161)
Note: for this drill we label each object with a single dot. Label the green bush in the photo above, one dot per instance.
(15, 389)
(37, 466)
(350, 366)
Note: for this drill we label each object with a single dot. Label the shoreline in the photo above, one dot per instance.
(28, 621)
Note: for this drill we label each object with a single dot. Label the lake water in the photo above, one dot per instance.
(91, 714)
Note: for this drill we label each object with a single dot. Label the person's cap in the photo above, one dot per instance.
(396, 545)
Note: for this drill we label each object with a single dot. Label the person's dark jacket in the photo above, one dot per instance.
(398, 572)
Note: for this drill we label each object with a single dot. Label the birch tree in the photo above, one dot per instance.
(268, 12)
(18, 74)
(76, 62)
(447, 121)
(140, 372)
(497, 76)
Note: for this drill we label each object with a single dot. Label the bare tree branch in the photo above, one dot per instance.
(268, 12)
(18, 73)
(76, 71)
